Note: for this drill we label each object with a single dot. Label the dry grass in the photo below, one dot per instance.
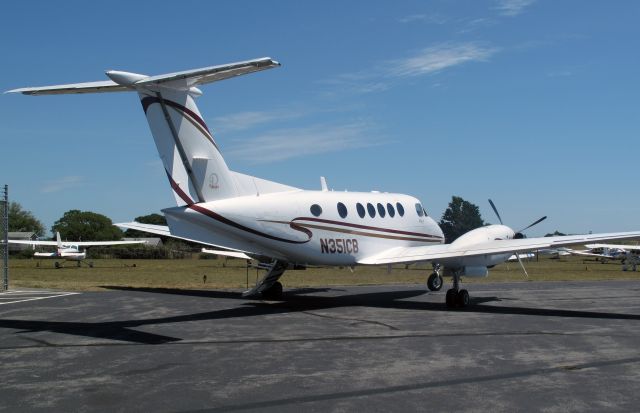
(233, 274)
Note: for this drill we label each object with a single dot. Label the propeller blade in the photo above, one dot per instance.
(496, 210)
(522, 265)
(535, 223)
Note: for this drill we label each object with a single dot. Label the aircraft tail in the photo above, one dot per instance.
(192, 160)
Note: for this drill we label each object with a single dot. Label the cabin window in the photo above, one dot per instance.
(371, 209)
(400, 209)
(342, 210)
(381, 211)
(360, 209)
(390, 210)
(316, 210)
(419, 210)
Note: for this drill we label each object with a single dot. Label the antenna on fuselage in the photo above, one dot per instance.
(323, 184)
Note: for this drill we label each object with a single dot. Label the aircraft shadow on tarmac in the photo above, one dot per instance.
(293, 301)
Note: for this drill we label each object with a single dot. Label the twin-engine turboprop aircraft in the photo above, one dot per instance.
(286, 227)
(69, 251)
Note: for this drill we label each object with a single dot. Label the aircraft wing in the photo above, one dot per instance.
(589, 254)
(27, 242)
(78, 243)
(404, 255)
(614, 247)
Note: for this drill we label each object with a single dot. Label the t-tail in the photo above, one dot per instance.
(192, 160)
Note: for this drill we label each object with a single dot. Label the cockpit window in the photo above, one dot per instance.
(360, 210)
(400, 209)
(390, 210)
(371, 209)
(316, 210)
(419, 210)
(342, 210)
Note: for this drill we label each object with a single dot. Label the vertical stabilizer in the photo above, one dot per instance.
(191, 158)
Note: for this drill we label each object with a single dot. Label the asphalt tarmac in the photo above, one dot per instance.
(519, 347)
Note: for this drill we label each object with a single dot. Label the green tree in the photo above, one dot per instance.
(21, 220)
(155, 219)
(78, 225)
(461, 216)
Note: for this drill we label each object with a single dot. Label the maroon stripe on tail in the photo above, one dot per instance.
(148, 100)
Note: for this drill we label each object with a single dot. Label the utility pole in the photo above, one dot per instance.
(4, 229)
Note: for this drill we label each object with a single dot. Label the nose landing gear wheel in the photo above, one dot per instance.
(434, 282)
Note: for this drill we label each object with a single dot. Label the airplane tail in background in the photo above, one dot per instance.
(192, 160)
(58, 240)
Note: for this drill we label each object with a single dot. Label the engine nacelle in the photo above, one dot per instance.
(468, 271)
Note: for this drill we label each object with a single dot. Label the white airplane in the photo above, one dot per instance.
(69, 251)
(607, 251)
(286, 227)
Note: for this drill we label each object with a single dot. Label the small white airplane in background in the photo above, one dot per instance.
(606, 252)
(286, 227)
(69, 251)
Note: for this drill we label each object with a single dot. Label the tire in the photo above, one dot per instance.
(274, 292)
(434, 282)
(463, 298)
(451, 298)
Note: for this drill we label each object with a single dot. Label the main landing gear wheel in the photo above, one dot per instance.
(456, 297)
(463, 298)
(274, 292)
(434, 282)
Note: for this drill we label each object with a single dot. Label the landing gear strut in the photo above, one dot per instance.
(269, 287)
(434, 282)
(457, 298)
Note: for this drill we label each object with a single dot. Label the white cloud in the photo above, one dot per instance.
(427, 61)
(560, 73)
(63, 183)
(423, 18)
(250, 119)
(513, 7)
(296, 142)
(437, 58)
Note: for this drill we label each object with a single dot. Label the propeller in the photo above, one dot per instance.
(518, 234)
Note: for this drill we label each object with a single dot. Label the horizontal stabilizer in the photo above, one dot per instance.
(234, 254)
(164, 231)
(88, 87)
(125, 81)
(212, 73)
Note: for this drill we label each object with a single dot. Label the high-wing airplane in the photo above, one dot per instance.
(286, 227)
(606, 252)
(69, 251)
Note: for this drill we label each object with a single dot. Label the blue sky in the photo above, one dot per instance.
(531, 103)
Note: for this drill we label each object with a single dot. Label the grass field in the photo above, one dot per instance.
(221, 273)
